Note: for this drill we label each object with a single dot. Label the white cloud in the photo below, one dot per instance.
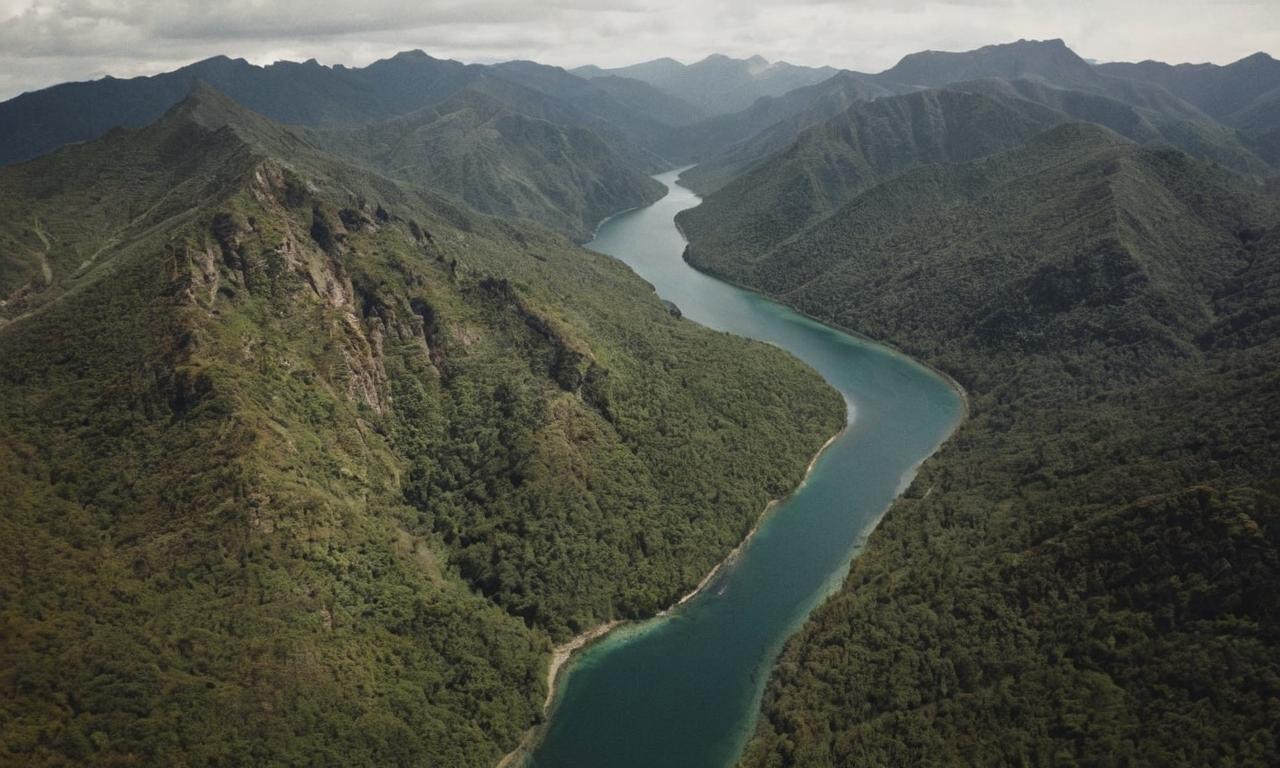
(47, 41)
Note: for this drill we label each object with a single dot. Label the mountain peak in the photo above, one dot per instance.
(207, 106)
(1050, 59)
(414, 56)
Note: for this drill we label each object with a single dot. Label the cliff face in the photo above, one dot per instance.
(301, 464)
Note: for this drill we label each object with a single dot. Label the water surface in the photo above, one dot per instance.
(684, 690)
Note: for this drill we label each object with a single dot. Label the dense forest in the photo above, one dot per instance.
(1084, 574)
(303, 465)
(318, 433)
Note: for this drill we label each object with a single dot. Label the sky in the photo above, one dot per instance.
(43, 42)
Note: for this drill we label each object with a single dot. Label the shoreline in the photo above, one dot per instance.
(948, 378)
(890, 346)
(562, 654)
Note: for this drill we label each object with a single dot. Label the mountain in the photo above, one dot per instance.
(310, 94)
(1243, 95)
(501, 162)
(726, 145)
(718, 84)
(1044, 72)
(304, 465)
(1049, 60)
(306, 94)
(831, 162)
(1204, 139)
(1219, 91)
(1085, 568)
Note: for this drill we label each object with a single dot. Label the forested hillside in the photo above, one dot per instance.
(831, 162)
(303, 465)
(632, 117)
(1084, 570)
(501, 162)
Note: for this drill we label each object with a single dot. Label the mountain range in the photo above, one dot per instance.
(318, 432)
(1080, 570)
(306, 464)
(718, 84)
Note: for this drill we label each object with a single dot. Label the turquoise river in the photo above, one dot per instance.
(684, 689)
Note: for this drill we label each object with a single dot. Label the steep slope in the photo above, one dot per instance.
(831, 162)
(1049, 61)
(719, 84)
(1205, 140)
(1219, 91)
(1260, 124)
(1244, 94)
(307, 466)
(725, 146)
(314, 95)
(642, 115)
(1080, 572)
(501, 162)
(1045, 72)
(308, 94)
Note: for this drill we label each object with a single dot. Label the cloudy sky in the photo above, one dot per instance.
(48, 41)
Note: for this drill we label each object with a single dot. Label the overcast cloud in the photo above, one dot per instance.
(43, 42)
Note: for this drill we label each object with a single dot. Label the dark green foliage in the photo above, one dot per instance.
(727, 145)
(1244, 95)
(1084, 574)
(632, 118)
(1200, 138)
(310, 467)
(831, 162)
(501, 162)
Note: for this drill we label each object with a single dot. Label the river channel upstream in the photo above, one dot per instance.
(684, 689)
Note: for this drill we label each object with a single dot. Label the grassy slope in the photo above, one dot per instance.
(1081, 575)
(309, 467)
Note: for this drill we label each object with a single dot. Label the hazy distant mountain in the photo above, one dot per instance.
(1050, 60)
(1045, 72)
(719, 84)
(629, 115)
(502, 162)
(831, 162)
(726, 145)
(1244, 94)
(1219, 91)
(1201, 138)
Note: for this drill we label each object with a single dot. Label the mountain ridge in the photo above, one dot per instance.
(265, 459)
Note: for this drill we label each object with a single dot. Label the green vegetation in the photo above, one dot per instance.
(1085, 573)
(632, 117)
(832, 161)
(500, 162)
(305, 466)
(727, 145)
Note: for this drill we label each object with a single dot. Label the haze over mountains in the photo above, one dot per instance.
(718, 84)
(318, 432)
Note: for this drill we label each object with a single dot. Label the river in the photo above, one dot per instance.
(684, 689)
